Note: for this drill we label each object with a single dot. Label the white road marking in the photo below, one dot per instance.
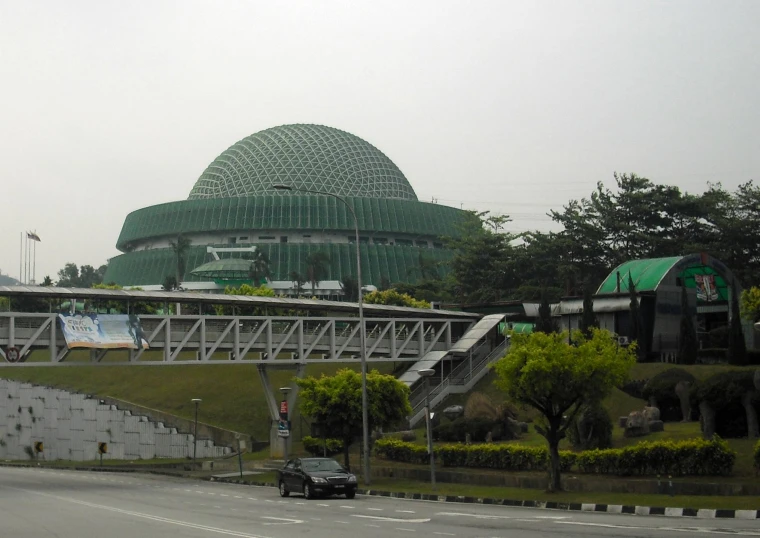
(476, 516)
(142, 515)
(703, 530)
(376, 509)
(445, 533)
(323, 505)
(282, 520)
(405, 511)
(346, 506)
(252, 498)
(344, 522)
(370, 525)
(238, 497)
(393, 519)
(407, 530)
(316, 519)
(223, 495)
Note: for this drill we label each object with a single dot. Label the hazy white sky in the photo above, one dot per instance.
(513, 107)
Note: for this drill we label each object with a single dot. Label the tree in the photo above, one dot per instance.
(317, 264)
(737, 347)
(180, 248)
(588, 319)
(170, 283)
(482, 266)
(687, 338)
(335, 402)
(71, 276)
(350, 287)
(245, 289)
(559, 380)
(260, 268)
(394, 298)
(545, 323)
(47, 281)
(297, 280)
(750, 305)
(636, 331)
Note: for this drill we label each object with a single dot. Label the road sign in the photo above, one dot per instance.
(103, 448)
(284, 408)
(39, 447)
(12, 354)
(283, 428)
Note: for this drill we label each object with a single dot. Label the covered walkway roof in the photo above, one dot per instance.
(375, 310)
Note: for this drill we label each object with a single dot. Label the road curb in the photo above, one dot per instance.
(701, 513)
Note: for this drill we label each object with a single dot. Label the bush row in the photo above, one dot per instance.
(694, 457)
(316, 446)
(757, 457)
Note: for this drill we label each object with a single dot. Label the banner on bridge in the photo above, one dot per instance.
(102, 331)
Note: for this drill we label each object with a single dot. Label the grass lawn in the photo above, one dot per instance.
(233, 397)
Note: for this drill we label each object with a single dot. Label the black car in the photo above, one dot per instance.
(314, 477)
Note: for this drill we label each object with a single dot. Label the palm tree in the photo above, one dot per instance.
(298, 281)
(317, 264)
(180, 248)
(260, 267)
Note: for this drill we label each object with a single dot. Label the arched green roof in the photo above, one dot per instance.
(311, 157)
(646, 274)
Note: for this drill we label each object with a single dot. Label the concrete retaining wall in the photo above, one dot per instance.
(71, 425)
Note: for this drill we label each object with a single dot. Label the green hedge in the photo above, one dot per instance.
(693, 457)
(757, 457)
(488, 456)
(315, 446)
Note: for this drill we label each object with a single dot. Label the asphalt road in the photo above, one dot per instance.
(72, 504)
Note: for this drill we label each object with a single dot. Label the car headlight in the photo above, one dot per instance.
(352, 478)
(318, 480)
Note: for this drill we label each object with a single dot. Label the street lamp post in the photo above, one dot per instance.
(197, 402)
(427, 373)
(362, 348)
(285, 391)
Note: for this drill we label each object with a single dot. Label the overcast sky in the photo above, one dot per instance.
(512, 107)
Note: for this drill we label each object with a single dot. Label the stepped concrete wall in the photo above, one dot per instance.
(71, 425)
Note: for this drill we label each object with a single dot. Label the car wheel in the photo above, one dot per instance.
(350, 494)
(307, 491)
(283, 490)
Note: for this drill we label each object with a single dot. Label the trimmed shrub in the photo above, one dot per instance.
(724, 393)
(478, 428)
(316, 446)
(397, 450)
(662, 388)
(592, 429)
(693, 457)
(712, 356)
(757, 458)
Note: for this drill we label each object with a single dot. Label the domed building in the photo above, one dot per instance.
(233, 209)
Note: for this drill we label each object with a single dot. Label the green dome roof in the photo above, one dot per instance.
(311, 157)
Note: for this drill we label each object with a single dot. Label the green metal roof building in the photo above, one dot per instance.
(658, 284)
(233, 204)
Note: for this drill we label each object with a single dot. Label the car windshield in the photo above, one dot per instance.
(322, 465)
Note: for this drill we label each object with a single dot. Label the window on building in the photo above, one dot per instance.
(380, 240)
(267, 238)
(283, 239)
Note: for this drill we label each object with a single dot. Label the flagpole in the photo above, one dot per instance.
(34, 262)
(21, 259)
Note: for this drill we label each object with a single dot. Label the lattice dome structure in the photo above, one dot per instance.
(233, 205)
(312, 157)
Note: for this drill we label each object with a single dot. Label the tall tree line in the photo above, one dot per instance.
(635, 219)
